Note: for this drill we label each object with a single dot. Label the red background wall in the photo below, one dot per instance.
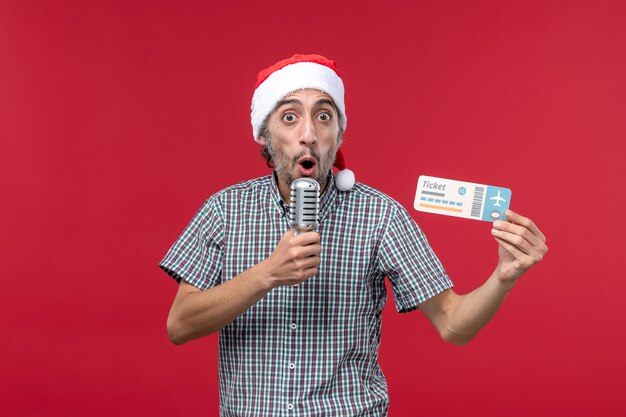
(117, 120)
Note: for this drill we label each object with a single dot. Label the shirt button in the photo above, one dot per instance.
(293, 326)
(289, 407)
(292, 365)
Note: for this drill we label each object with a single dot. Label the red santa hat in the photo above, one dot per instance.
(295, 73)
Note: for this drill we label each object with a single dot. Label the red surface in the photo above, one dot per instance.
(117, 120)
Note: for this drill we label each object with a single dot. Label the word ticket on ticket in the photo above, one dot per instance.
(461, 199)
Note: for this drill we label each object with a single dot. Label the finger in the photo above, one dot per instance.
(309, 273)
(306, 269)
(521, 244)
(308, 263)
(526, 222)
(289, 234)
(512, 239)
(516, 235)
(519, 230)
(310, 250)
(521, 258)
(307, 238)
(537, 240)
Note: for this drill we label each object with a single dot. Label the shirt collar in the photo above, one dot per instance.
(328, 200)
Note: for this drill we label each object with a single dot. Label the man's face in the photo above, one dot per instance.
(303, 133)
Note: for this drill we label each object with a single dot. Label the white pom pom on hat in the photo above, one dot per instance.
(295, 73)
(344, 180)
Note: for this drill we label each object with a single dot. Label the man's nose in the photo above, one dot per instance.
(308, 135)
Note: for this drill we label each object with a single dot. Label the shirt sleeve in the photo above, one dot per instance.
(197, 255)
(412, 267)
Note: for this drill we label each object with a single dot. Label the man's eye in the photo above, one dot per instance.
(289, 117)
(324, 117)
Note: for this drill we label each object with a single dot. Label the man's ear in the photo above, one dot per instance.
(262, 140)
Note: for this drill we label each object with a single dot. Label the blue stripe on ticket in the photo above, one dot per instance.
(497, 202)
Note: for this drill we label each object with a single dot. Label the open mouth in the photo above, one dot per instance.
(307, 165)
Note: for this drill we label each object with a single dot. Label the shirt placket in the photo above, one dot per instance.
(289, 348)
(292, 358)
(294, 349)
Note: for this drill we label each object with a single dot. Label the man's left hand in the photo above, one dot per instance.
(520, 245)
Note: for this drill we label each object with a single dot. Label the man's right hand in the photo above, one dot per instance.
(294, 260)
(196, 313)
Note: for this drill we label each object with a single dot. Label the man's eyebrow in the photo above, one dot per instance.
(286, 102)
(326, 101)
(319, 102)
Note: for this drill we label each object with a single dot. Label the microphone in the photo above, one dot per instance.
(305, 205)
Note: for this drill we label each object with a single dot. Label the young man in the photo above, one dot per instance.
(299, 316)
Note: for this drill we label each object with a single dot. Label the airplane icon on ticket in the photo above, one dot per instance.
(498, 199)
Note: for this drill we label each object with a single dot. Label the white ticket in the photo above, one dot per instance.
(461, 199)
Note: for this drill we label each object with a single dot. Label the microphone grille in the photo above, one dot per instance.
(304, 207)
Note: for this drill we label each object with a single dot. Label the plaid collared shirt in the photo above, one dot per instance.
(308, 350)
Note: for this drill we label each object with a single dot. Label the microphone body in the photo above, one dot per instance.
(305, 205)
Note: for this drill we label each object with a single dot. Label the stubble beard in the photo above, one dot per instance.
(284, 166)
